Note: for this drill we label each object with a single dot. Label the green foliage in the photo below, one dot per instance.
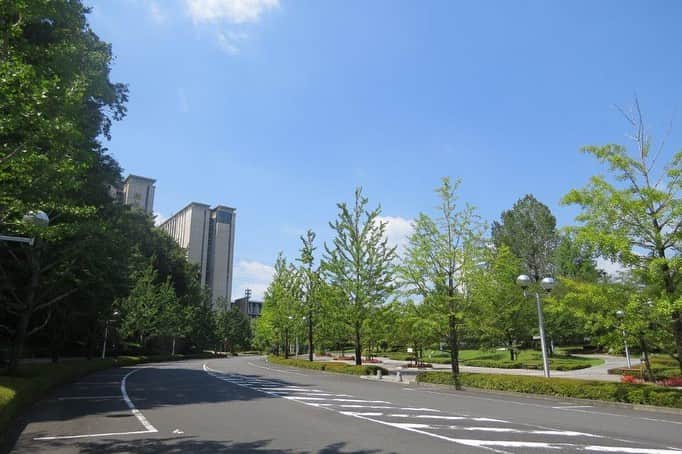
(439, 265)
(339, 368)
(233, 328)
(359, 264)
(563, 387)
(502, 315)
(528, 229)
(281, 313)
(634, 217)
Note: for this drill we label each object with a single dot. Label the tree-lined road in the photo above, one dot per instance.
(242, 404)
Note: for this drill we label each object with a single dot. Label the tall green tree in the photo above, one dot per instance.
(634, 217)
(439, 264)
(56, 102)
(234, 328)
(310, 284)
(281, 307)
(359, 263)
(501, 313)
(528, 229)
(142, 312)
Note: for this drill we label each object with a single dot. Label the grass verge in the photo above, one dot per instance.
(33, 381)
(563, 387)
(340, 368)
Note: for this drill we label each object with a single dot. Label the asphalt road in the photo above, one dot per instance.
(243, 405)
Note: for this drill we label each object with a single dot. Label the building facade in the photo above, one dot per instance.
(139, 192)
(207, 234)
(249, 307)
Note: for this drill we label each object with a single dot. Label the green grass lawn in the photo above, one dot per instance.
(526, 359)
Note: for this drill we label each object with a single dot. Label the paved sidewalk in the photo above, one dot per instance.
(599, 372)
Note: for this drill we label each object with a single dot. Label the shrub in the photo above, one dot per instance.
(563, 387)
(341, 368)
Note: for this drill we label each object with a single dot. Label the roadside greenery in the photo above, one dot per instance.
(524, 359)
(562, 387)
(339, 368)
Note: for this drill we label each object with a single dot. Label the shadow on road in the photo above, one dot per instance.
(149, 388)
(176, 445)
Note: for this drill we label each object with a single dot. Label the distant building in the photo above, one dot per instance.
(207, 234)
(247, 306)
(138, 192)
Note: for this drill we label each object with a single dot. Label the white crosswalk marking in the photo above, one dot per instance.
(497, 435)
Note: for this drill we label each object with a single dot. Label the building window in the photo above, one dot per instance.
(224, 217)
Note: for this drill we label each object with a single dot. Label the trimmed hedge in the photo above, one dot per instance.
(563, 387)
(554, 364)
(340, 368)
(35, 380)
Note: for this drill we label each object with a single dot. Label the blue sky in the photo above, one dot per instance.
(280, 108)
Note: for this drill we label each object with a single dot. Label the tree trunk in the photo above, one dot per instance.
(677, 332)
(25, 317)
(286, 344)
(173, 348)
(358, 346)
(18, 344)
(310, 336)
(454, 347)
(647, 363)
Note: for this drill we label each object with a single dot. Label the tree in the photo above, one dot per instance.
(528, 229)
(310, 283)
(502, 313)
(56, 101)
(635, 218)
(359, 264)
(142, 312)
(438, 265)
(281, 306)
(234, 328)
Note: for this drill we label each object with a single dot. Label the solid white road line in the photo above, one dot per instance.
(138, 414)
(110, 434)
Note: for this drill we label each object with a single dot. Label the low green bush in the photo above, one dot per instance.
(34, 380)
(341, 368)
(563, 387)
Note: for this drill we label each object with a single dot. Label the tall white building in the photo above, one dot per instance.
(207, 234)
(139, 192)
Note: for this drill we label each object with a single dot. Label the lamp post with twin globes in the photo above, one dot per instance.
(547, 284)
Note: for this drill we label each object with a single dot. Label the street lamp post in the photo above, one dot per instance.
(38, 218)
(621, 315)
(547, 284)
(106, 334)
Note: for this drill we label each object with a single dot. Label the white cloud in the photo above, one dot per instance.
(398, 229)
(253, 275)
(234, 11)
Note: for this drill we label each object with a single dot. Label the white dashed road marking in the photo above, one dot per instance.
(432, 422)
